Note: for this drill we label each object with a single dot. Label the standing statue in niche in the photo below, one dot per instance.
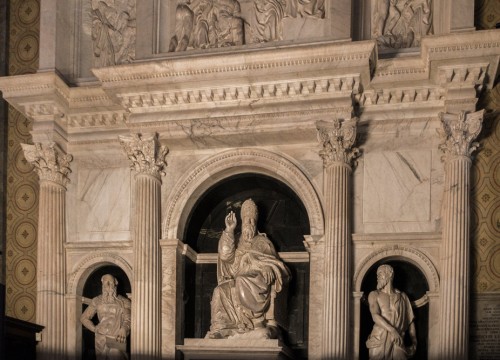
(249, 274)
(113, 312)
(401, 23)
(393, 315)
(113, 31)
(201, 24)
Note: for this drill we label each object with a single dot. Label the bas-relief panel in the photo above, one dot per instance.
(401, 23)
(202, 24)
(103, 204)
(397, 188)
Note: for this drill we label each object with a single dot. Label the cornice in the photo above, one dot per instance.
(459, 48)
(229, 84)
(312, 57)
(280, 91)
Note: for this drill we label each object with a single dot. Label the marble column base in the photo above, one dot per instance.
(234, 349)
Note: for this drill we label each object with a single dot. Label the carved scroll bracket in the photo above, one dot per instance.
(145, 153)
(50, 163)
(337, 139)
(459, 132)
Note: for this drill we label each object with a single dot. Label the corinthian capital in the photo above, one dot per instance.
(337, 139)
(50, 162)
(145, 153)
(459, 132)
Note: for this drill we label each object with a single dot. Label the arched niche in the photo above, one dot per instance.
(93, 288)
(77, 281)
(211, 171)
(414, 274)
(282, 216)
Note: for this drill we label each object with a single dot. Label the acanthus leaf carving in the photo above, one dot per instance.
(50, 163)
(145, 153)
(459, 132)
(337, 139)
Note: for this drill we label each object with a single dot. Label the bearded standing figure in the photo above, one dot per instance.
(393, 316)
(246, 272)
(113, 312)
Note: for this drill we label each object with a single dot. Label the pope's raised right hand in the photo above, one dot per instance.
(231, 222)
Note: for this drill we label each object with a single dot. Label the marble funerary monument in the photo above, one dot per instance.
(352, 125)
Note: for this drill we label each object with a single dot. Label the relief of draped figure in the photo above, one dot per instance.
(201, 24)
(113, 31)
(401, 23)
(266, 24)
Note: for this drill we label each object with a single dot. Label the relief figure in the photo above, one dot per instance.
(248, 272)
(113, 32)
(201, 24)
(401, 23)
(113, 312)
(393, 316)
(266, 22)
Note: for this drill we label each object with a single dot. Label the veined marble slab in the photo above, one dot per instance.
(397, 186)
(103, 203)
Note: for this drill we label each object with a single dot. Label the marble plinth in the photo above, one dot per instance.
(234, 349)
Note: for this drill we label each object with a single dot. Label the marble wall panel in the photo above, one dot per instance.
(397, 187)
(103, 204)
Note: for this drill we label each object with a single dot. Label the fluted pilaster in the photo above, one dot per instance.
(458, 133)
(337, 139)
(148, 160)
(52, 167)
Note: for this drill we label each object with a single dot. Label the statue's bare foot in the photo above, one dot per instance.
(215, 335)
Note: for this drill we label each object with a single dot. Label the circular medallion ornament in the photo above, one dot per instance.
(28, 11)
(27, 48)
(22, 165)
(494, 262)
(24, 308)
(25, 272)
(25, 197)
(23, 126)
(25, 234)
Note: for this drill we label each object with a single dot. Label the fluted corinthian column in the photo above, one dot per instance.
(458, 132)
(148, 160)
(52, 166)
(337, 138)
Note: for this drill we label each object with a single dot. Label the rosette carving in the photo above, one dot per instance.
(337, 139)
(459, 132)
(145, 153)
(49, 161)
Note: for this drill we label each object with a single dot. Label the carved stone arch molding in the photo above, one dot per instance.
(210, 171)
(398, 252)
(92, 262)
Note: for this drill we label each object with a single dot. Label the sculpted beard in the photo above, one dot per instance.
(381, 283)
(248, 231)
(108, 294)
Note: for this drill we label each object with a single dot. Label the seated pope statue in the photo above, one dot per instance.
(247, 271)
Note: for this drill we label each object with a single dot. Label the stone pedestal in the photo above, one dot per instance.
(234, 349)
(52, 167)
(337, 139)
(459, 132)
(148, 160)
